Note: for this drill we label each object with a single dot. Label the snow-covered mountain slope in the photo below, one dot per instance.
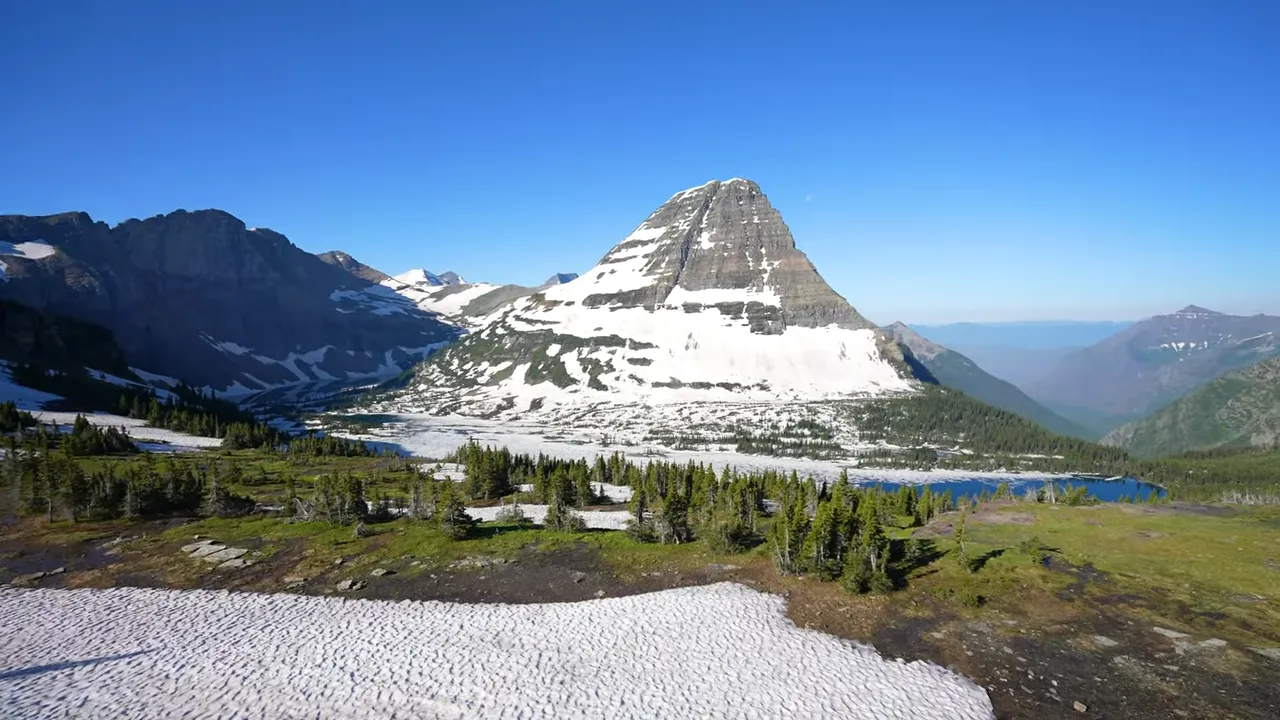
(452, 297)
(707, 300)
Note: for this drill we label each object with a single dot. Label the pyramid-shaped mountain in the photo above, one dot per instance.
(707, 299)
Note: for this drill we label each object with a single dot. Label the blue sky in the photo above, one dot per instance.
(1004, 161)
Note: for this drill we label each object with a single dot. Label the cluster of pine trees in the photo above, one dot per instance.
(1216, 475)
(186, 409)
(44, 478)
(83, 440)
(837, 531)
(940, 415)
(344, 499)
(829, 530)
(12, 419)
(492, 472)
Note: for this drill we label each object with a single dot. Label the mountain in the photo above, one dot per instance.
(560, 279)
(1241, 408)
(420, 277)
(706, 300)
(58, 343)
(1020, 352)
(199, 296)
(1152, 362)
(957, 371)
(340, 259)
(457, 301)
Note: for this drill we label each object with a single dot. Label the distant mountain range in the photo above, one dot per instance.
(1136, 371)
(1019, 352)
(1239, 409)
(955, 370)
(1044, 335)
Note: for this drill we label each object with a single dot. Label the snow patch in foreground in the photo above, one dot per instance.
(692, 652)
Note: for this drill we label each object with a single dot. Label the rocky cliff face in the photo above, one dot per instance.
(720, 236)
(199, 296)
(708, 299)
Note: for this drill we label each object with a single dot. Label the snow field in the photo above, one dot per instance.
(436, 436)
(712, 651)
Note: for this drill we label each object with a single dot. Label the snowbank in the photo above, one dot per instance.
(693, 652)
(616, 493)
(24, 397)
(595, 519)
(148, 438)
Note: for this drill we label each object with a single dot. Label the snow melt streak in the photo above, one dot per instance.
(693, 652)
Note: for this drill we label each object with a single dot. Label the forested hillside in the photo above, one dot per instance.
(1240, 409)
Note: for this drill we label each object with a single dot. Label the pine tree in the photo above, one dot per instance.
(962, 550)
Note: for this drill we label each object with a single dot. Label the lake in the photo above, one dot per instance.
(1104, 490)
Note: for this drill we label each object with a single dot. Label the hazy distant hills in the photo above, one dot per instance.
(954, 370)
(1241, 408)
(1147, 365)
(1019, 352)
(1048, 334)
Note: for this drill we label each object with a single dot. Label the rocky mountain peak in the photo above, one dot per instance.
(707, 300)
(920, 346)
(339, 259)
(715, 244)
(560, 279)
(422, 277)
(1195, 311)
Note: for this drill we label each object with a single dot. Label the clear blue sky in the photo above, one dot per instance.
(958, 161)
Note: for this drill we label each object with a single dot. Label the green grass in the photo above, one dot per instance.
(1175, 567)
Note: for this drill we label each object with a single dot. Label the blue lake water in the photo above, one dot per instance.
(1104, 490)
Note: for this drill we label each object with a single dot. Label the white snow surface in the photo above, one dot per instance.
(438, 297)
(27, 250)
(377, 299)
(154, 439)
(24, 397)
(595, 519)
(712, 651)
(155, 378)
